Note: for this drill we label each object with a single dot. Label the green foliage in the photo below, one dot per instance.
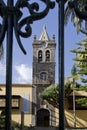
(2, 119)
(81, 88)
(82, 101)
(81, 59)
(51, 94)
(74, 70)
(15, 125)
(81, 62)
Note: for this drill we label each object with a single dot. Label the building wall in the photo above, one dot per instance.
(29, 117)
(81, 117)
(25, 105)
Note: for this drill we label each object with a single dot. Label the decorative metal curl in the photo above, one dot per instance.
(18, 22)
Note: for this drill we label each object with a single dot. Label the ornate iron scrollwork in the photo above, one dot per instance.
(18, 22)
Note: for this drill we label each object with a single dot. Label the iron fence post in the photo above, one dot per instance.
(61, 65)
(9, 67)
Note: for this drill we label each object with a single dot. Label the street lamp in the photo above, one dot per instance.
(11, 18)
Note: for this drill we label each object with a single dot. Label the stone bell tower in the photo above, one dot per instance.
(44, 60)
(43, 63)
(43, 72)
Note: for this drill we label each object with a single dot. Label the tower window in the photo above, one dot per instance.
(40, 56)
(43, 76)
(47, 55)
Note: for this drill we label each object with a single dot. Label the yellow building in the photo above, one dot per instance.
(21, 102)
(24, 106)
(76, 114)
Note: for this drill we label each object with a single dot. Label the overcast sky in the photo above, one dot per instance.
(22, 64)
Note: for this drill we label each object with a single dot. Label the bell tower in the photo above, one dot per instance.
(44, 60)
(43, 76)
(43, 67)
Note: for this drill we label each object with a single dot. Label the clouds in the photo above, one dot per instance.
(24, 74)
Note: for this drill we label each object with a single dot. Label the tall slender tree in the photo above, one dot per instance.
(81, 59)
(81, 62)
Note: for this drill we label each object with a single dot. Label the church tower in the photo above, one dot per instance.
(43, 75)
(43, 62)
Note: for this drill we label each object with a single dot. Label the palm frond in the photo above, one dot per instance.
(1, 51)
(67, 14)
(86, 25)
(74, 19)
(79, 24)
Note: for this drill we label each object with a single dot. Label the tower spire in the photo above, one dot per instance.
(44, 36)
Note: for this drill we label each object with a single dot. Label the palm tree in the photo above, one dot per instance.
(78, 21)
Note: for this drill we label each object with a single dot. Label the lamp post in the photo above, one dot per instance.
(11, 18)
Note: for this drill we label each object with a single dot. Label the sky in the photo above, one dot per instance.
(22, 64)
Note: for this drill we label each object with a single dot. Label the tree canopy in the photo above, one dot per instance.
(81, 63)
(51, 94)
(81, 59)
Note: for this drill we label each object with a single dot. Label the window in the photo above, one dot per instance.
(47, 55)
(40, 56)
(43, 76)
(2, 102)
(15, 102)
